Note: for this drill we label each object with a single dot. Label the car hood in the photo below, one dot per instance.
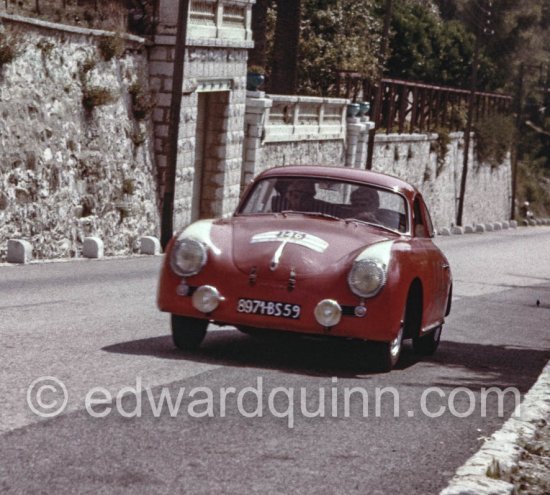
(305, 244)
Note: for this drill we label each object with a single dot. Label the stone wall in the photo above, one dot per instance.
(285, 130)
(413, 157)
(80, 156)
(68, 171)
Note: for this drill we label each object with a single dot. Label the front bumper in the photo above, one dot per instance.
(378, 318)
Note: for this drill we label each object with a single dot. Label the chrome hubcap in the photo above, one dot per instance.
(395, 344)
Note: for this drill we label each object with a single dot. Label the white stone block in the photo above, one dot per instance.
(505, 225)
(480, 228)
(456, 230)
(149, 245)
(489, 227)
(19, 251)
(513, 224)
(497, 226)
(445, 231)
(92, 247)
(468, 229)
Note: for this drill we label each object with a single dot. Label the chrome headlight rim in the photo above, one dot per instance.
(378, 265)
(193, 244)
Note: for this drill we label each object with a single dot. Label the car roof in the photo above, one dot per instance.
(343, 173)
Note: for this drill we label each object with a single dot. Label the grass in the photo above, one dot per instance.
(97, 96)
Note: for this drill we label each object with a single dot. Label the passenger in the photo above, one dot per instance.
(299, 196)
(365, 203)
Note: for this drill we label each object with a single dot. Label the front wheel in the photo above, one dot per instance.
(384, 355)
(188, 333)
(426, 345)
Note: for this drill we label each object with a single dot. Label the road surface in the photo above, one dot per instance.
(243, 422)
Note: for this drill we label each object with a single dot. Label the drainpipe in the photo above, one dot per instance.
(167, 219)
(378, 96)
(467, 132)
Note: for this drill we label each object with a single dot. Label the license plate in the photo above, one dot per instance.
(269, 308)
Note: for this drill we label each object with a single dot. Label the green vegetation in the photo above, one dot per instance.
(441, 147)
(533, 186)
(494, 471)
(96, 96)
(9, 47)
(142, 101)
(335, 35)
(494, 137)
(111, 47)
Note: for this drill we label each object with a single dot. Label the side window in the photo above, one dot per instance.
(429, 223)
(420, 229)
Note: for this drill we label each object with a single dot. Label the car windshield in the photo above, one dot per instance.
(339, 199)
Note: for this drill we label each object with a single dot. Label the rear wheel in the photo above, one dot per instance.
(188, 333)
(427, 344)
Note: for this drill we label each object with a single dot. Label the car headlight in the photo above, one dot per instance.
(188, 257)
(367, 277)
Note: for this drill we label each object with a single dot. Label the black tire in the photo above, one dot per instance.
(449, 302)
(426, 345)
(252, 331)
(188, 333)
(385, 355)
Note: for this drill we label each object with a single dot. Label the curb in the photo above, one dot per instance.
(479, 228)
(501, 452)
(20, 251)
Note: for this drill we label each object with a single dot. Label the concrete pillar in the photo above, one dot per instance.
(257, 113)
(19, 251)
(149, 245)
(354, 129)
(362, 142)
(92, 247)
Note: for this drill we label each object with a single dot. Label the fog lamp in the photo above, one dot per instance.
(206, 298)
(328, 313)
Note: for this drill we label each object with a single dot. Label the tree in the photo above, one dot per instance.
(285, 49)
(337, 34)
(258, 55)
(424, 47)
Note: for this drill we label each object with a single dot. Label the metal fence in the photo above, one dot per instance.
(407, 107)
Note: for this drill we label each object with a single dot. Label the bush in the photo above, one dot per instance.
(96, 96)
(111, 47)
(533, 186)
(494, 136)
(142, 101)
(9, 48)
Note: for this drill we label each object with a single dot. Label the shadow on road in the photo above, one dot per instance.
(482, 365)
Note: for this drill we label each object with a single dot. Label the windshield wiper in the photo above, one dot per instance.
(313, 214)
(373, 224)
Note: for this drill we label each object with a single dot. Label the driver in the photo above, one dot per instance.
(299, 195)
(365, 203)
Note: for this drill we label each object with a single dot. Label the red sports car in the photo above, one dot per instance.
(320, 251)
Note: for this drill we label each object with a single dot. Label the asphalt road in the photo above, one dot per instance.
(94, 324)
